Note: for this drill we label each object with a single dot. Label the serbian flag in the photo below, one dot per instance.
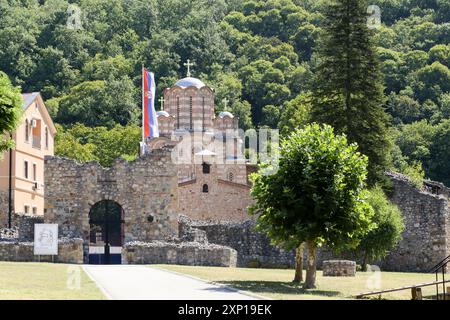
(150, 121)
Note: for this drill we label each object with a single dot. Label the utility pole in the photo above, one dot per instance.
(10, 205)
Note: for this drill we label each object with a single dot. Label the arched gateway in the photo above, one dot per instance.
(108, 208)
(106, 234)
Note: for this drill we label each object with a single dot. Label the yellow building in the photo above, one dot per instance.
(34, 140)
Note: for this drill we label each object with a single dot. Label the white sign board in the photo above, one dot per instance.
(45, 239)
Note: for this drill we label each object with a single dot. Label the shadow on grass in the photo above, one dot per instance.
(278, 287)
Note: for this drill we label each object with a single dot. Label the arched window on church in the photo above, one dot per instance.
(206, 168)
(205, 188)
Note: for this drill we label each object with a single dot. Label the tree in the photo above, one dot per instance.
(389, 227)
(347, 91)
(10, 111)
(101, 144)
(316, 196)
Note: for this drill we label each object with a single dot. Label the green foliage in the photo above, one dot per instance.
(348, 91)
(389, 227)
(259, 54)
(98, 144)
(415, 173)
(10, 111)
(317, 193)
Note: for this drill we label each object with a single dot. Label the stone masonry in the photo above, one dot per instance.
(3, 209)
(184, 253)
(339, 268)
(426, 239)
(146, 187)
(253, 248)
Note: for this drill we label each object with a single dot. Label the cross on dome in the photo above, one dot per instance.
(225, 104)
(162, 100)
(188, 64)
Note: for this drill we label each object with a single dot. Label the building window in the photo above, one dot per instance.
(190, 113)
(34, 210)
(46, 137)
(26, 208)
(36, 130)
(205, 188)
(25, 169)
(27, 131)
(206, 168)
(34, 172)
(230, 176)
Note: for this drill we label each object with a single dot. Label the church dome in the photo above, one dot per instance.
(224, 114)
(190, 82)
(162, 113)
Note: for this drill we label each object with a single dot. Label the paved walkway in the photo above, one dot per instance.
(133, 282)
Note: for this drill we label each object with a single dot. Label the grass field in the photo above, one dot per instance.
(45, 281)
(276, 283)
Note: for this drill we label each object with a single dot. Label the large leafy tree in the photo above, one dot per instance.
(10, 111)
(316, 196)
(389, 227)
(348, 91)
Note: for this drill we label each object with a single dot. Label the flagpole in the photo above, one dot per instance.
(143, 113)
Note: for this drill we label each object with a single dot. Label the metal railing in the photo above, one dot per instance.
(441, 267)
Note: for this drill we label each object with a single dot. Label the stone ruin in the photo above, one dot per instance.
(339, 268)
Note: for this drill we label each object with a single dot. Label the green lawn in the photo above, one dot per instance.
(276, 283)
(45, 281)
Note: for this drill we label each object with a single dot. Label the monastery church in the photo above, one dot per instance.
(212, 170)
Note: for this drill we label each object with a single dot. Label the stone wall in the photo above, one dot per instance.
(225, 200)
(69, 251)
(145, 187)
(183, 253)
(253, 248)
(25, 225)
(3, 209)
(426, 239)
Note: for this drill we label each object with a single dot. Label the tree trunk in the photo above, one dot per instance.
(364, 263)
(310, 282)
(299, 264)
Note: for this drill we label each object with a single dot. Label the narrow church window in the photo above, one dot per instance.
(206, 168)
(203, 113)
(178, 112)
(230, 176)
(190, 113)
(205, 188)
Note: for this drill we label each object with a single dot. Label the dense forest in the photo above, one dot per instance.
(259, 54)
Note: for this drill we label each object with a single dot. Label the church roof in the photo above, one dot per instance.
(190, 82)
(162, 113)
(28, 98)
